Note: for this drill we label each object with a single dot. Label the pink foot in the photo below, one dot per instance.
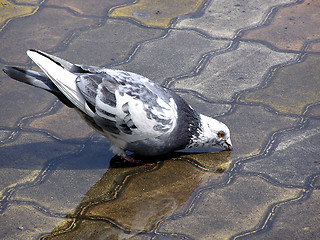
(132, 160)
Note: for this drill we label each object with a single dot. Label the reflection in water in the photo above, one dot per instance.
(131, 199)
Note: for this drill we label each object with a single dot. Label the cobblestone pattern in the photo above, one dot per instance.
(252, 64)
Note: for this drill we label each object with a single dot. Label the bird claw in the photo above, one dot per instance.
(132, 160)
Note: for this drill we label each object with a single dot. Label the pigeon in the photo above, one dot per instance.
(132, 112)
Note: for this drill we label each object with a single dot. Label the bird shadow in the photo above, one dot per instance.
(92, 154)
(204, 157)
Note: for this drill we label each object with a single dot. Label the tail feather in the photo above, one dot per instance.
(59, 72)
(30, 77)
(36, 79)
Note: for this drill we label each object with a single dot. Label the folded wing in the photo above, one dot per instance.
(128, 105)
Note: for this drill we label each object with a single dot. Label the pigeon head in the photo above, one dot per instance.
(211, 132)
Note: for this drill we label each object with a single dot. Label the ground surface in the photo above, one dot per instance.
(254, 65)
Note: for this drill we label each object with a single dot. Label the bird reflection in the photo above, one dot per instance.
(131, 199)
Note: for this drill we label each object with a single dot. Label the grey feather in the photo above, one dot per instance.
(36, 79)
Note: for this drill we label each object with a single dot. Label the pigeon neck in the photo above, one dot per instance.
(205, 135)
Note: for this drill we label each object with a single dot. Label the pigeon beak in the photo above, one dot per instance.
(227, 145)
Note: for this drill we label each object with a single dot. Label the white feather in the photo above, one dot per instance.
(62, 78)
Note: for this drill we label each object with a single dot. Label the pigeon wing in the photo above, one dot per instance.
(129, 106)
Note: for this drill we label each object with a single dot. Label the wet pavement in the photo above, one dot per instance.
(254, 65)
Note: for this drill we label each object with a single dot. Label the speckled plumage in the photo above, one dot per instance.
(133, 112)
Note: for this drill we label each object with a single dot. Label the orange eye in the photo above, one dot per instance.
(221, 134)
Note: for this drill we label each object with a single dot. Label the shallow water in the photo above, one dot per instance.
(254, 66)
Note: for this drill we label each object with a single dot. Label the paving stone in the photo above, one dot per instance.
(87, 7)
(234, 71)
(25, 222)
(20, 101)
(224, 212)
(209, 109)
(251, 127)
(292, 27)
(298, 220)
(107, 44)
(28, 1)
(152, 195)
(295, 157)
(4, 134)
(208, 159)
(144, 194)
(317, 182)
(85, 231)
(130, 197)
(226, 18)
(303, 79)
(44, 30)
(10, 11)
(22, 160)
(178, 53)
(65, 124)
(66, 186)
(155, 13)
(314, 47)
(313, 111)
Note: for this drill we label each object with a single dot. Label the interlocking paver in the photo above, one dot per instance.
(314, 47)
(285, 164)
(234, 71)
(64, 124)
(28, 1)
(29, 223)
(226, 18)
(93, 7)
(104, 231)
(156, 13)
(224, 212)
(44, 30)
(146, 194)
(251, 126)
(239, 61)
(9, 11)
(176, 54)
(292, 27)
(297, 220)
(208, 108)
(314, 111)
(293, 88)
(19, 98)
(152, 196)
(22, 160)
(116, 38)
(60, 192)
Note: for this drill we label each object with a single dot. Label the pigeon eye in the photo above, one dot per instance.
(221, 134)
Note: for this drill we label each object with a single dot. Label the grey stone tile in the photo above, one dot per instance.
(25, 222)
(226, 18)
(251, 127)
(178, 53)
(234, 71)
(18, 100)
(108, 44)
(223, 212)
(65, 187)
(25, 158)
(297, 220)
(207, 108)
(295, 157)
(44, 30)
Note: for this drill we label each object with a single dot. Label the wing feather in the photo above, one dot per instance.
(128, 104)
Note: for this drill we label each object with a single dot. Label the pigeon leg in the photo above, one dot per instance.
(132, 160)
